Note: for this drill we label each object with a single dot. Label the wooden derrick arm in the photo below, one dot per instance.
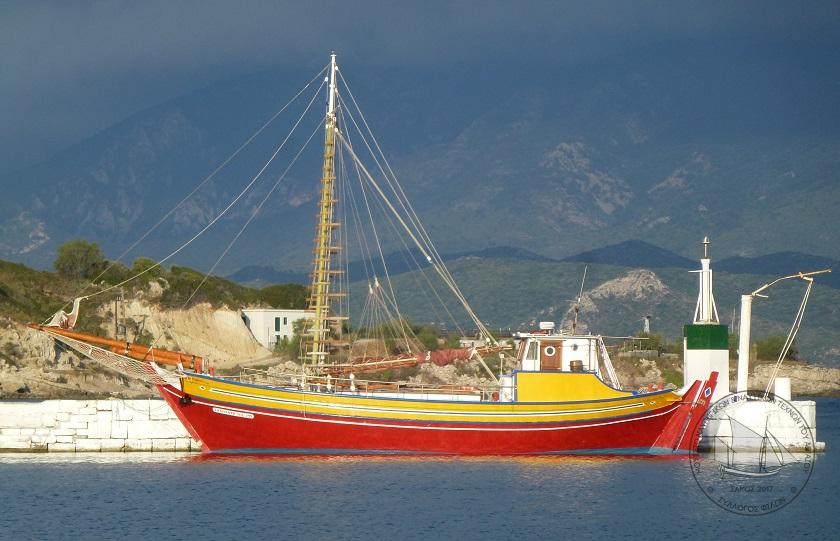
(134, 351)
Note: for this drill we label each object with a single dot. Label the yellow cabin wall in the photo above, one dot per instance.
(562, 386)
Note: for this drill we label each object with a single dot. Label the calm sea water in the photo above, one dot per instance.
(155, 497)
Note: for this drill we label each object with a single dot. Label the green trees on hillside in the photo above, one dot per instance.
(770, 348)
(765, 350)
(79, 259)
(285, 296)
(655, 342)
(82, 260)
(291, 347)
(650, 341)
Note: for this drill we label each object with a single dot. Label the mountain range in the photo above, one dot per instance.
(632, 254)
(665, 144)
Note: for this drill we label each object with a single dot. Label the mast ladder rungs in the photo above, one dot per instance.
(329, 271)
(330, 249)
(328, 342)
(337, 294)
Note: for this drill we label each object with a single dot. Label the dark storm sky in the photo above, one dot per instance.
(70, 69)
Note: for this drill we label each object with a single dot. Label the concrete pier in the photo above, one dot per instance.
(91, 425)
(793, 424)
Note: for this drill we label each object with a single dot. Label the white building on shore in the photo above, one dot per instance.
(271, 325)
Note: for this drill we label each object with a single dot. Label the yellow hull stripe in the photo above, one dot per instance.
(422, 410)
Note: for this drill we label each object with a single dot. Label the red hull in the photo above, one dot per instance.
(258, 430)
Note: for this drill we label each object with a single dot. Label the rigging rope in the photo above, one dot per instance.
(439, 267)
(379, 249)
(399, 192)
(797, 322)
(372, 318)
(254, 213)
(225, 210)
(198, 187)
(427, 247)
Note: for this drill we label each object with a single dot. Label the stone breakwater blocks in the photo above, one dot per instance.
(138, 444)
(104, 405)
(167, 444)
(112, 445)
(89, 445)
(131, 410)
(156, 429)
(184, 444)
(62, 448)
(160, 412)
(119, 429)
(92, 425)
(20, 414)
(100, 428)
(13, 442)
(74, 424)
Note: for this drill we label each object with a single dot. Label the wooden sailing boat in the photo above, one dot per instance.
(733, 460)
(555, 400)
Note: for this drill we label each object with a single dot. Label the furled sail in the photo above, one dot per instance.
(63, 319)
(137, 352)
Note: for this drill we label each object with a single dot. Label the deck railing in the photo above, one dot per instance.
(319, 383)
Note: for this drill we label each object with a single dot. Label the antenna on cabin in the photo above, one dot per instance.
(577, 304)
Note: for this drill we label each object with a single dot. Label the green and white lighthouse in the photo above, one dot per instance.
(706, 341)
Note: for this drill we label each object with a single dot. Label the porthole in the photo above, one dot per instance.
(574, 347)
(549, 351)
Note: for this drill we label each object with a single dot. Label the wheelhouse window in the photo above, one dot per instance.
(531, 355)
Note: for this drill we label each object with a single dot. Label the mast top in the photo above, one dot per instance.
(706, 244)
(333, 90)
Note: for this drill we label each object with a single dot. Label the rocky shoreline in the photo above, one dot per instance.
(32, 366)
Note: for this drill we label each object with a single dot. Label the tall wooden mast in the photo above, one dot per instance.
(322, 275)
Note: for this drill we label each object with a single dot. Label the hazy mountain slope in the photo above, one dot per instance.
(633, 253)
(657, 144)
(518, 294)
